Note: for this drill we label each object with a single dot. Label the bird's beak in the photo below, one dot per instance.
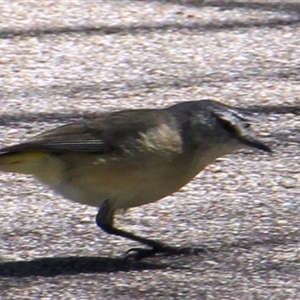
(254, 143)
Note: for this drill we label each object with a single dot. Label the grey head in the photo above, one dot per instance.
(208, 124)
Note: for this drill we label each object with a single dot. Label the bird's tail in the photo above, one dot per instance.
(22, 162)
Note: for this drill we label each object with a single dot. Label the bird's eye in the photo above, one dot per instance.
(228, 126)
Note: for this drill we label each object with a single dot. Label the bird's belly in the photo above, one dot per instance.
(130, 183)
(79, 194)
(125, 190)
(126, 185)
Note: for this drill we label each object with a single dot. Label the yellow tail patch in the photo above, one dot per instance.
(23, 162)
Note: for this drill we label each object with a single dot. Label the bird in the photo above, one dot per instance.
(128, 158)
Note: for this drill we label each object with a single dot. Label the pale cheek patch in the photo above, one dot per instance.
(162, 138)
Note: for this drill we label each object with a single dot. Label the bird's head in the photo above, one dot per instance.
(208, 124)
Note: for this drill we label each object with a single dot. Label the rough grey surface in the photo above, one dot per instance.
(62, 60)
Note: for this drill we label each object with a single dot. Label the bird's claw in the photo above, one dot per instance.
(140, 253)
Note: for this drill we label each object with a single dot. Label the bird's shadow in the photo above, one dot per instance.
(72, 265)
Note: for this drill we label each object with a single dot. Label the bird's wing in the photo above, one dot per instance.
(117, 133)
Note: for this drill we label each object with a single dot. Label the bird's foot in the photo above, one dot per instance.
(140, 253)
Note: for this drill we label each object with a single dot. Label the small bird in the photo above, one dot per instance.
(129, 158)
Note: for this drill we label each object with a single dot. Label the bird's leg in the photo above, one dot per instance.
(104, 220)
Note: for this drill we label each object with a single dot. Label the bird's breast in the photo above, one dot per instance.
(128, 183)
